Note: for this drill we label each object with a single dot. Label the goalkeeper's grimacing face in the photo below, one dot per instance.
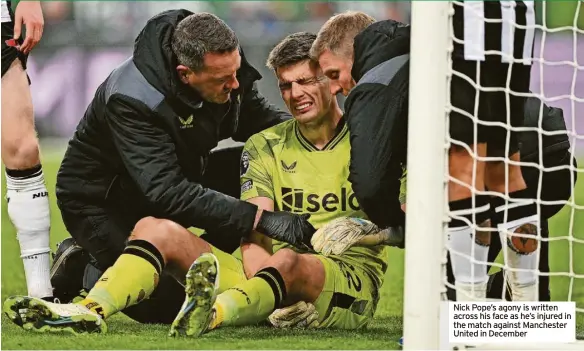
(305, 90)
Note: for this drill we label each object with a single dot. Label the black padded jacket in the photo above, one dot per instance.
(144, 139)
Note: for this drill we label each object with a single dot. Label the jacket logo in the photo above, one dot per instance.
(186, 123)
(288, 168)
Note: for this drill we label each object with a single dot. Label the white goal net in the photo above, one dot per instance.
(557, 88)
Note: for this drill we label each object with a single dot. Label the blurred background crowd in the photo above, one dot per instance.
(84, 40)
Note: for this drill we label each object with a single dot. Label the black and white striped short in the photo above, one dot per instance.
(493, 50)
(502, 31)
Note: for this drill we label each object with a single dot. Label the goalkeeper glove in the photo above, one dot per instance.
(299, 315)
(392, 236)
(337, 236)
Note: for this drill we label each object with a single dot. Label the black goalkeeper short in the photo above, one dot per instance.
(9, 53)
(468, 99)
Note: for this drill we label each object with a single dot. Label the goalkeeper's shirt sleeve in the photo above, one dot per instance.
(256, 169)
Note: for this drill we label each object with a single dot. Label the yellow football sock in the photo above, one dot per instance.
(250, 302)
(131, 279)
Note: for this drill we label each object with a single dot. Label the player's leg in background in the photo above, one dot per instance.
(518, 215)
(556, 185)
(464, 242)
(27, 196)
(498, 287)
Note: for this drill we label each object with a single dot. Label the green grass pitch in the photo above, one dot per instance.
(383, 332)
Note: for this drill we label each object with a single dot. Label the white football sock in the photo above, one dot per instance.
(28, 209)
(471, 277)
(524, 283)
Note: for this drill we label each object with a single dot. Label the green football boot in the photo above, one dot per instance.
(202, 283)
(39, 315)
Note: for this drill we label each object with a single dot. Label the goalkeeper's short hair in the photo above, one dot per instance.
(291, 50)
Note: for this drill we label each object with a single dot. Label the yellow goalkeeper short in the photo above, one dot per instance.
(351, 289)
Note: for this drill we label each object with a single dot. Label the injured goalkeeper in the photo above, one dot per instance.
(300, 166)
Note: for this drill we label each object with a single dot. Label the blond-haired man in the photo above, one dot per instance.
(367, 61)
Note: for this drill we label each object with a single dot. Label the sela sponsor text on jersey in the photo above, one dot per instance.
(299, 200)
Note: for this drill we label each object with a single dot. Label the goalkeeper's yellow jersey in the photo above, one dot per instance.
(280, 164)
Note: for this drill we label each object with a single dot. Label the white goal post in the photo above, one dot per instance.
(427, 163)
(425, 324)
